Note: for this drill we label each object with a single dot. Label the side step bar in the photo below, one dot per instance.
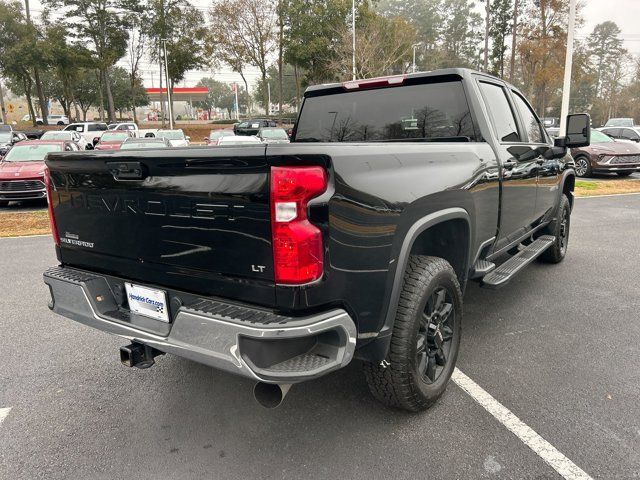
(509, 269)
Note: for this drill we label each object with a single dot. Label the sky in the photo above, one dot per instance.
(626, 13)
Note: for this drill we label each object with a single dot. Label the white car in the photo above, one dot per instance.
(133, 127)
(239, 140)
(54, 120)
(70, 135)
(89, 130)
(176, 137)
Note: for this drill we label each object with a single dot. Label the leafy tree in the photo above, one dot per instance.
(229, 102)
(427, 17)
(87, 90)
(218, 93)
(501, 15)
(100, 25)
(289, 91)
(311, 33)
(124, 98)
(384, 47)
(18, 51)
(183, 27)
(606, 52)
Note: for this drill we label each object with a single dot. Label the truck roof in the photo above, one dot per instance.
(392, 80)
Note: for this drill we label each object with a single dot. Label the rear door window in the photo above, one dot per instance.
(529, 120)
(434, 111)
(502, 117)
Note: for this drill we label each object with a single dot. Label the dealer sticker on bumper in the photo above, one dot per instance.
(147, 301)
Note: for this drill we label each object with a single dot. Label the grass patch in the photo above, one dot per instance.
(16, 224)
(606, 187)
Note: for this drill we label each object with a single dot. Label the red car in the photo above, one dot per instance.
(22, 169)
(112, 139)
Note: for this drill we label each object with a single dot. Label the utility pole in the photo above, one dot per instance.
(413, 65)
(235, 91)
(4, 110)
(166, 72)
(486, 37)
(269, 96)
(353, 27)
(514, 33)
(568, 64)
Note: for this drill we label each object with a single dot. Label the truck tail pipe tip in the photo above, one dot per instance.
(138, 355)
(270, 395)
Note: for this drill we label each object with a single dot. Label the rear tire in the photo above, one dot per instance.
(623, 174)
(583, 166)
(559, 228)
(425, 338)
(4, 203)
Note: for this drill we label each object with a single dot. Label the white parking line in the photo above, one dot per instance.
(554, 458)
(3, 413)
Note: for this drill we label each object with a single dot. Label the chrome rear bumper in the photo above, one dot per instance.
(250, 342)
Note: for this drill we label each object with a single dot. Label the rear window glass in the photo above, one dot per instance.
(437, 111)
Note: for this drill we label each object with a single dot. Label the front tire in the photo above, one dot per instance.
(559, 228)
(425, 338)
(582, 167)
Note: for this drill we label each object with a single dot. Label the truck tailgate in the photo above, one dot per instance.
(196, 219)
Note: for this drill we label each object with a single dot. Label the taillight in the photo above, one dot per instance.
(52, 220)
(297, 244)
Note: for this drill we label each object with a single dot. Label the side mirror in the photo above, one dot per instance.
(188, 138)
(95, 141)
(578, 130)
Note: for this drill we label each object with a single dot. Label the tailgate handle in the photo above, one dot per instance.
(127, 170)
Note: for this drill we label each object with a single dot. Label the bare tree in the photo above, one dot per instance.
(243, 32)
(136, 51)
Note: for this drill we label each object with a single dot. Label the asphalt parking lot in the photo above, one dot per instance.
(559, 347)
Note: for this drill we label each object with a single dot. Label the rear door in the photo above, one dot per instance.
(197, 220)
(519, 169)
(547, 169)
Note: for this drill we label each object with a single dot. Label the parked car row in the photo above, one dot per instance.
(263, 135)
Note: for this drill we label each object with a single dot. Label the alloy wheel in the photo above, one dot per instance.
(435, 335)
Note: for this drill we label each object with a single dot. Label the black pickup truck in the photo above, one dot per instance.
(283, 263)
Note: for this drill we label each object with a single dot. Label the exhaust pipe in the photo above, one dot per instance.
(270, 395)
(138, 355)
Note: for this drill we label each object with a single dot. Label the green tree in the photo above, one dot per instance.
(312, 30)
(501, 15)
(289, 92)
(606, 52)
(87, 90)
(218, 93)
(427, 17)
(183, 27)
(100, 25)
(18, 51)
(124, 99)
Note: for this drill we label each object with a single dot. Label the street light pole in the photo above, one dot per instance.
(413, 65)
(353, 27)
(568, 64)
(166, 74)
(486, 37)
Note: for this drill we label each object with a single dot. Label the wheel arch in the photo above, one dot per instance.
(568, 186)
(419, 239)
